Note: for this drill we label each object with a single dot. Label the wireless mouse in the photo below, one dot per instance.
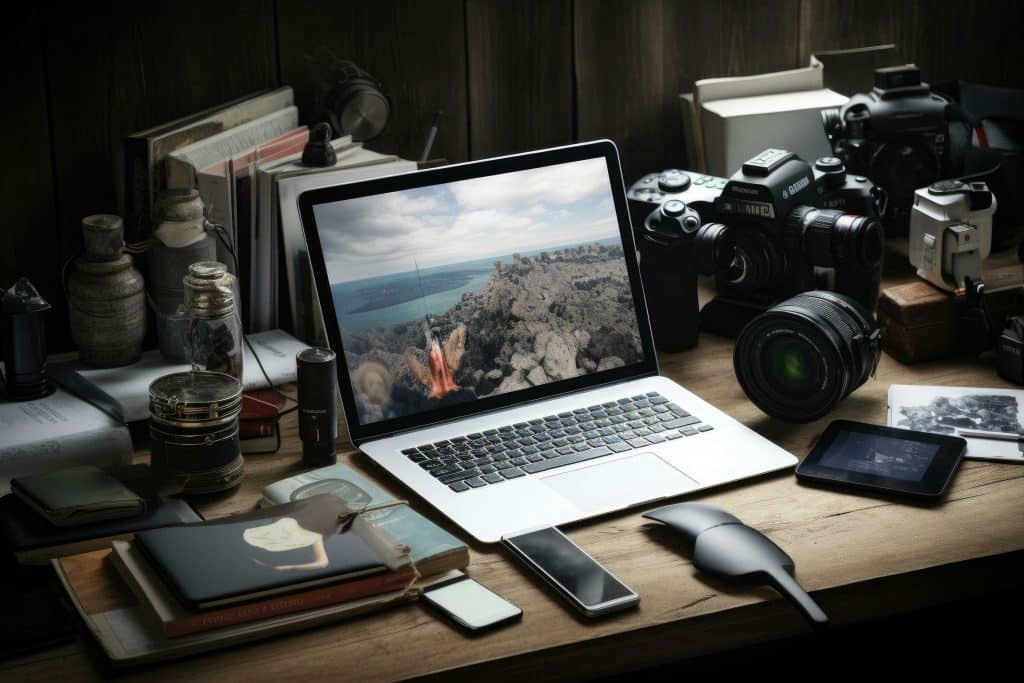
(724, 546)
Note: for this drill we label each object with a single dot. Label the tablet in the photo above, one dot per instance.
(883, 459)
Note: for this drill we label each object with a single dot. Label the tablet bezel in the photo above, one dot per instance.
(932, 485)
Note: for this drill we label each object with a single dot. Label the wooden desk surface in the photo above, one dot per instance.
(860, 557)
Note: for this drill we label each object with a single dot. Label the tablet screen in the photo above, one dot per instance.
(882, 456)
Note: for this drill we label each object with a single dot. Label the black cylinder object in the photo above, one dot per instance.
(23, 340)
(316, 373)
(194, 431)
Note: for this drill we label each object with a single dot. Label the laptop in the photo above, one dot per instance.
(494, 350)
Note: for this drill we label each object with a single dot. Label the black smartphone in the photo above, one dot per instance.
(589, 587)
(471, 605)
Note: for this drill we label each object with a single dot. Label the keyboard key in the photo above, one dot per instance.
(677, 410)
(581, 446)
(657, 428)
(704, 428)
(673, 435)
(417, 457)
(655, 438)
(638, 397)
(459, 439)
(688, 431)
(519, 462)
(563, 460)
(520, 425)
(488, 469)
(410, 451)
(536, 457)
(458, 486)
(431, 464)
(459, 476)
(476, 482)
(490, 432)
(621, 447)
(474, 436)
(493, 478)
(681, 422)
(653, 393)
(658, 400)
(512, 473)
(564, 450)
(638, 442)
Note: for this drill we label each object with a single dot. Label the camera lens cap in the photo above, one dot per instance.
(673, 208)
(673, 180)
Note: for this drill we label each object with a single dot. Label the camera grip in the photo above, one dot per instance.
(669, 278)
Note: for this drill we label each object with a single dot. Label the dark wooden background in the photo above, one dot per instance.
(510, 75)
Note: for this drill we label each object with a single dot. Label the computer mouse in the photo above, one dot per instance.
(724, 546)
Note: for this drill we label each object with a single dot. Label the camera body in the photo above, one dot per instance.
(782, 227)
(951, 231)
(778, 227)
(897, 135)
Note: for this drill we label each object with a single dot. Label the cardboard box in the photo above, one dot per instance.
(736, 129)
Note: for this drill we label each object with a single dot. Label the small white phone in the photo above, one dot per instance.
(589, 587)
(471, 605)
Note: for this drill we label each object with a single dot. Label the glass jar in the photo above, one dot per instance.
(214, 328)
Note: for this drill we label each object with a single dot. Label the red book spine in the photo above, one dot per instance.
(288, 604)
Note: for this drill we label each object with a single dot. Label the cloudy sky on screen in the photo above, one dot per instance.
(467, 220)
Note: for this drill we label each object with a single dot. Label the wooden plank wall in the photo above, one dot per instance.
(509, 76)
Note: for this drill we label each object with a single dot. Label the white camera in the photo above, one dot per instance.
(951, 231)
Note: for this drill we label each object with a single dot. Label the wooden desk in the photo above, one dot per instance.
(861, 558)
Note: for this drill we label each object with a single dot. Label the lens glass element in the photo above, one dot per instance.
(790, 367)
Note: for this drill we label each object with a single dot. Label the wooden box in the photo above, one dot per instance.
(920, 322)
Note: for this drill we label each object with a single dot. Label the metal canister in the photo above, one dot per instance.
(181, 240)
(106, 299)
(214, 329)
(194, 431)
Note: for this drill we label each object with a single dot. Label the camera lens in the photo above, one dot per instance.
(831, 235)
(798, 360)
(745, 259)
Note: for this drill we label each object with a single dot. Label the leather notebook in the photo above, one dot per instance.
(34, 540)
(268, 552)
(78, 495)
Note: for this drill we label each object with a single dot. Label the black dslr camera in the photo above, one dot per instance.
(898, 135)
(774, 237)
(776, 228)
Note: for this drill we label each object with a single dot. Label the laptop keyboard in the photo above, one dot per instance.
(516, 450)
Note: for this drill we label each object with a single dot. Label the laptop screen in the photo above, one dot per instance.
(453, 294)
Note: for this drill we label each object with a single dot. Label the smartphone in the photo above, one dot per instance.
(470, 604)
(589, 587)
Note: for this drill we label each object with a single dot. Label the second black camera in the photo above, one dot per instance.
(778, 227)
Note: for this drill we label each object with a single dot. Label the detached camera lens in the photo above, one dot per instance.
(798, 360)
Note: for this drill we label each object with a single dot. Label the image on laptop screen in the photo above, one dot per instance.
(455, 292)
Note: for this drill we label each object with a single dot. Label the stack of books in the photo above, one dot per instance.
(237, 155)
(324, 545)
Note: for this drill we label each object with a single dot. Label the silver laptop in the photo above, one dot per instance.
(494, 350)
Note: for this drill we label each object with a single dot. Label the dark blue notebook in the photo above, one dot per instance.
(259, 554)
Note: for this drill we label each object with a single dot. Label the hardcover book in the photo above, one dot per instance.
(178, 621)
(128, 634)
(77, 495)
(432, 549)
(35, 541)
(294, 547)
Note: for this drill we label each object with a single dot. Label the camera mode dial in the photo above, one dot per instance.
(834, 170)
(673, 181)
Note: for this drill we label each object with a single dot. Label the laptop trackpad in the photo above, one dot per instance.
(620, 483)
